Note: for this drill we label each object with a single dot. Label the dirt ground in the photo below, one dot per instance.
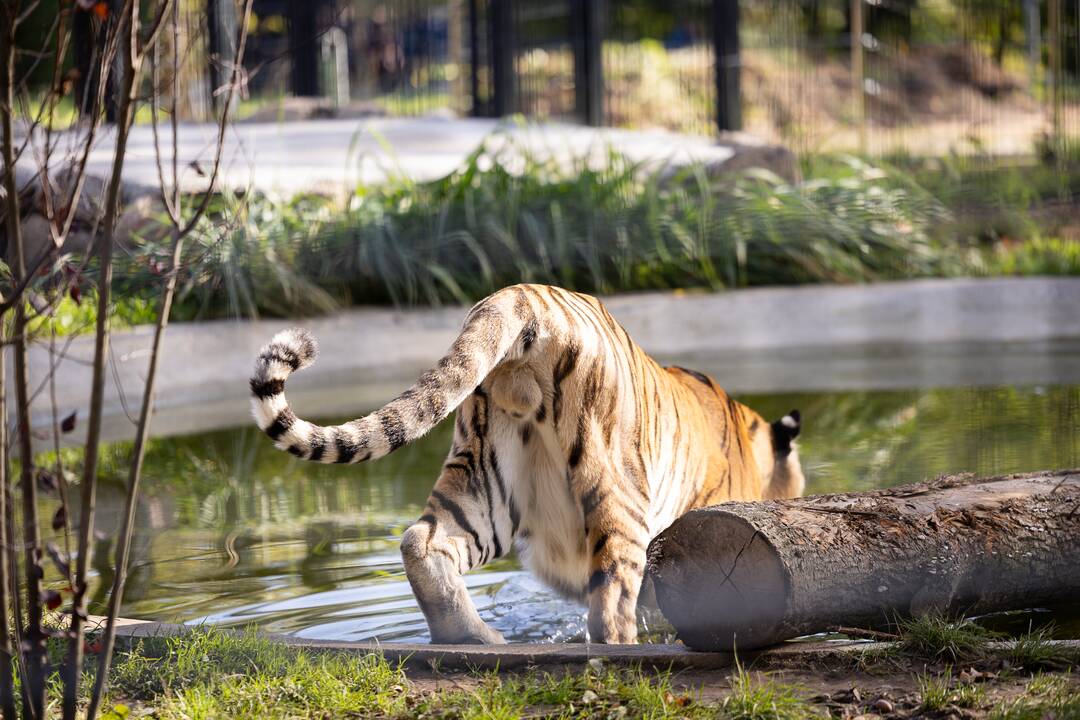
(866, 688)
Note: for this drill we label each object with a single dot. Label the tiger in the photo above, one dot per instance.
(570, 445)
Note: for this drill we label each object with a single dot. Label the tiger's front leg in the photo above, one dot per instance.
(454, 535)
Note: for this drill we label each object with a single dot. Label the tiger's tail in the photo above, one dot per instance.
(491, 331)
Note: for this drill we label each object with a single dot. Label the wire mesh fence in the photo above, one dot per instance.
(935, 77)
(884, 77)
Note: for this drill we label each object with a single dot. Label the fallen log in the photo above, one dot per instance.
(743, 575)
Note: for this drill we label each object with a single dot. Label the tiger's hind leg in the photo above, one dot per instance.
(467, 522)
(618, 538)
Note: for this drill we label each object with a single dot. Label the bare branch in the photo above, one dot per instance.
(166, 200)
(156, 25)
(223, 121)
(61, 480)
(27, 12)
(16, 294)
(34, 658)
(7, 653)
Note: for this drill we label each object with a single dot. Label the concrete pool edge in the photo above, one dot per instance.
(774, 338)
(129, 631)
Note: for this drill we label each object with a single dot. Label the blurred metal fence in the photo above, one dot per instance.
(930, 77)
(921, 77)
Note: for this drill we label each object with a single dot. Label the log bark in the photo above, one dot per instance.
(744, 575)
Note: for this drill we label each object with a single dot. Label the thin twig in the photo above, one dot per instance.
(33, 660)
(61, 480)
(864, 633)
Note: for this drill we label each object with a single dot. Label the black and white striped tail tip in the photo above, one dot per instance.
(288, 351)
(297, 343)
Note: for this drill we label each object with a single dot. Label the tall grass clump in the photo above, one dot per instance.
(598, 224)
(939, 638)
(939, 692)
(764, 699)
(1036, 649)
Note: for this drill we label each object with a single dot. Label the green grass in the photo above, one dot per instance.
(1045, 697)
(939, 638)
(766, 699)
(1035, 650)
(607, 692)
(1038, 256)
(938, 692)
(214, 674)
(1047, 685)
(72, 317)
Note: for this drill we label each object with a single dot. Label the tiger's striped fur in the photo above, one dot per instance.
(570, 443)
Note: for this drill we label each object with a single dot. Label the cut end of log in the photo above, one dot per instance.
(701, 565)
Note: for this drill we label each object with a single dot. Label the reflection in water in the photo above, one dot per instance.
(233, 531)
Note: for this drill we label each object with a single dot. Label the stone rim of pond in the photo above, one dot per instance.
(130, 631)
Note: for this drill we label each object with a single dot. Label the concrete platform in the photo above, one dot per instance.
(334, 156)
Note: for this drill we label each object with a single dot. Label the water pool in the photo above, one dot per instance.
(232, 531)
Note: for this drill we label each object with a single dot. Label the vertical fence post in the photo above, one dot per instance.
(1056, 66)
(479, 106)
(1033, 37)
(503, 56)
(858, 76)
(221, 39)
(304, 47)
(120, 58)
(455, 53)
(587, 22)
(725, 21)
(83, 41)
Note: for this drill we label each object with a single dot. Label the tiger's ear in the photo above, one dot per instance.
(784, 431)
